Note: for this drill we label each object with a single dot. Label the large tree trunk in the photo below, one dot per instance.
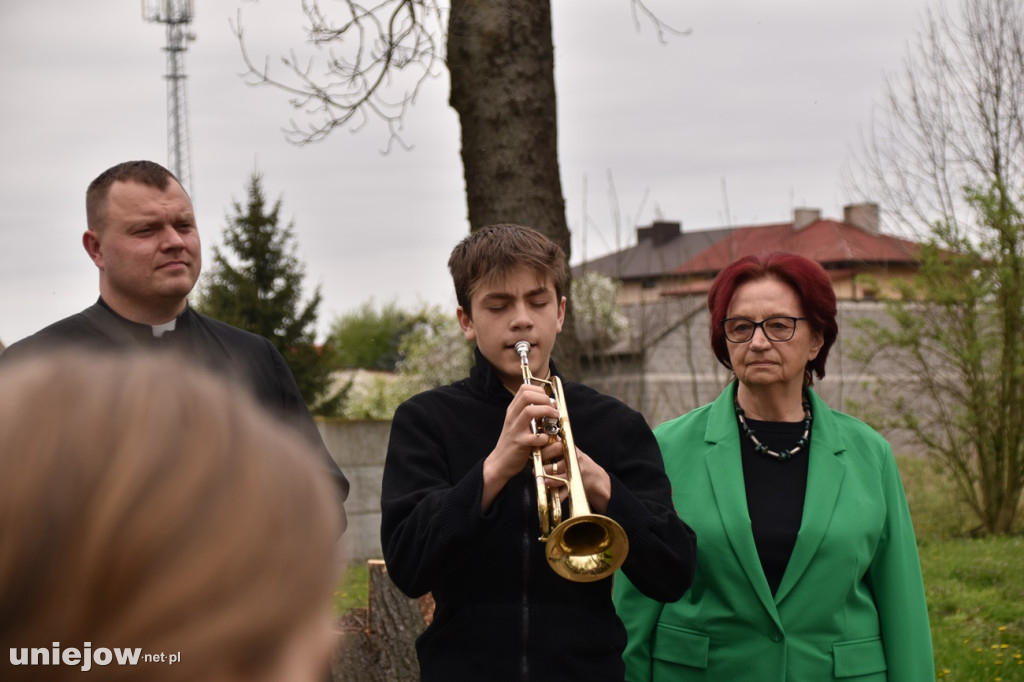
(378, 644)
(501, 61)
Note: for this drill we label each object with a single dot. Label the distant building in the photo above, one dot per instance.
(861, 261)
(646, 270)
(666, 261)
(664, 367)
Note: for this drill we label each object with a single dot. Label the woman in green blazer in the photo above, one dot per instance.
(807, 565)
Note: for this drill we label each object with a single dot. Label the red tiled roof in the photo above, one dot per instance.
(828, 242)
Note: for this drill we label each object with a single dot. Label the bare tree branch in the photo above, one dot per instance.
(661, 28)
(378, 58)
(952, 118)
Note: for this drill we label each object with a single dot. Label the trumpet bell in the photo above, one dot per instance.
(587, 548)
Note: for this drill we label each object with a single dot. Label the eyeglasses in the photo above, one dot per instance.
(778, 328)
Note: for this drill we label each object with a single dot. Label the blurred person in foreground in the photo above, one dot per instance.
(199, 528)
(143, 238)
(459, 498)
(808, 568)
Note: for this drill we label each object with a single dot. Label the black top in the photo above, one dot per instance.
(501, 612)
(775, 493)
(245, 357)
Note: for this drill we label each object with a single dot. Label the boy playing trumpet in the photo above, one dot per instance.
(459, 501)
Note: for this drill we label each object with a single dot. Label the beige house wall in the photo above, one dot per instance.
(633, 292)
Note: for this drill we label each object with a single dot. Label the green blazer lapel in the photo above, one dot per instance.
(725, 470)
(825, 473)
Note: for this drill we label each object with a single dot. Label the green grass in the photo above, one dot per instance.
(975, 586)
(975, 593)
(353, 589)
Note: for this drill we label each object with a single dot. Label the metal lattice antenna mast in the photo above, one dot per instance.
(177, 15)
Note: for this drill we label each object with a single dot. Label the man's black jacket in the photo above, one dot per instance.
(247, 358)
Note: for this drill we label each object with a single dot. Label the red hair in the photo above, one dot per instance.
(809, 282)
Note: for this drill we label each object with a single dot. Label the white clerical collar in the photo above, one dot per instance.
(160, 329)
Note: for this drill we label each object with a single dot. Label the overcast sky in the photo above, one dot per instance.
(750, 115)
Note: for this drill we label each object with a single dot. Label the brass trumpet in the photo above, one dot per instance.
(585, 547)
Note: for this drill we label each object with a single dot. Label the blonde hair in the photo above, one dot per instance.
(146, 504)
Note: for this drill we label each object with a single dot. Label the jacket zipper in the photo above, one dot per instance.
(524, 662)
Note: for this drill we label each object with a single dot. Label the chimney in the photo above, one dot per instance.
(865, 216)
(660, 232)
(802, 217)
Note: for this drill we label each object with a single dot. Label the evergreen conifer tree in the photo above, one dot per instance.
(256, 284)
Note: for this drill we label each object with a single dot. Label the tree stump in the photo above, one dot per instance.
(378, 643)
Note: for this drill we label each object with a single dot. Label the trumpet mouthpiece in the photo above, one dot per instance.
(522, 347)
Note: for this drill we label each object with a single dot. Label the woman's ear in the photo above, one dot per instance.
(817, 341)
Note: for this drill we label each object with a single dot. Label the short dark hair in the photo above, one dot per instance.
(809, 282)
(146, 173)
(492, 252)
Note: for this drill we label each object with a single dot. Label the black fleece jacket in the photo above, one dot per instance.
(501, 612)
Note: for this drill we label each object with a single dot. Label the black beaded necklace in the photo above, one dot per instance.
(764, 449)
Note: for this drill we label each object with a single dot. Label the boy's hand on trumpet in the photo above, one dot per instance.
(518, 440)
(596, 482)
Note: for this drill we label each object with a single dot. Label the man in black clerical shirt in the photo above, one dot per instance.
(143, 238)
